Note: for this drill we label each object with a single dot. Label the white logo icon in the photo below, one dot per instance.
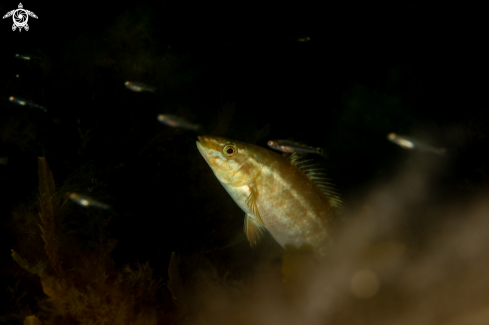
(20, 17)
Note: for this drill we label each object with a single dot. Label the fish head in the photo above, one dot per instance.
(273, 144)
(231, 161)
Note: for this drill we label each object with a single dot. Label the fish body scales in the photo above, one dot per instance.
(292, 207)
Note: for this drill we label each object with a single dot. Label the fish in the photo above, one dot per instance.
(88, 201)
(304, 39)
(25, 102)
(284, 195)
(178, 122)
(411, 143)
(28, 57)
(22, 56)
(291, 146)
(18, 101)
(139, 86)
(3, 160)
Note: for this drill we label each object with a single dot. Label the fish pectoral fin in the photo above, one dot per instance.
(251, 203)
(254, 231)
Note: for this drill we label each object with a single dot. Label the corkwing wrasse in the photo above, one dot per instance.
(283, 194)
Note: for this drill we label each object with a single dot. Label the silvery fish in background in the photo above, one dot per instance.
(303, 39)
(3, 160)
(28, 57)
(139, 86)
(177, 122)
(411, 143)
(281, 194)
(291, 146)
(25, 102)
(88, 201)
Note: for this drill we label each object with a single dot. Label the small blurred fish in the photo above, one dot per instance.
(138, 86)
(3, 160)
(303, 39)
(177, 122)
(291, 146)
(411, 143)
(28, 57)
(88, 201)
(25, 102)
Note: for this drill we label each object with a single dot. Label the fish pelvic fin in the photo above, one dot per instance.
(251, 203)
(317, 175)
(253, 230)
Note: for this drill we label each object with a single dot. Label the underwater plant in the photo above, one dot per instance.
(82, 286)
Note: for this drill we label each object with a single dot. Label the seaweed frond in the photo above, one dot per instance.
(47, 199)
(35, 269)
(175, 284)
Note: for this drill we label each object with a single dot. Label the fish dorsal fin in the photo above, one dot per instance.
(317, 175)
(254, 231)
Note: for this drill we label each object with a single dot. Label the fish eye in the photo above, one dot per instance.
(229, 150)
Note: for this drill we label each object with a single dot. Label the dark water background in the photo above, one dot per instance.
(368, 70)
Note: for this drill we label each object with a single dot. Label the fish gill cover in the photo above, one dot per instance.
(410, 248)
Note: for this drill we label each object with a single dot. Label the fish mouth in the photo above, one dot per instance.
(201, 147)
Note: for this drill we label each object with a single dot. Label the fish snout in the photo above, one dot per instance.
(204, 139)
(204, 144)
(201, 148)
